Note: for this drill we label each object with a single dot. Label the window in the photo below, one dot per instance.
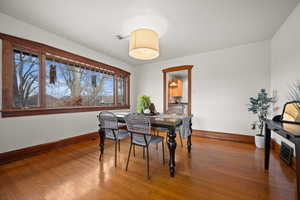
(39, 79)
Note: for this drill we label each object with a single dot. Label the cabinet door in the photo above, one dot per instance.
(176, 91)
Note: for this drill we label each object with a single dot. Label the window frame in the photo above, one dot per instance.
(9, 43)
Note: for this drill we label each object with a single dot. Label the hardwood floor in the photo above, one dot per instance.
(217, 170)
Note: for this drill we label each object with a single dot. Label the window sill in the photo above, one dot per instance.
(46, 111)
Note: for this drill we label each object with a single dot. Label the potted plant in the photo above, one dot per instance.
(143, 104)
(260, 106)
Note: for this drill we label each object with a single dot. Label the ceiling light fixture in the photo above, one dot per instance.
(173, 84)
(144, 44)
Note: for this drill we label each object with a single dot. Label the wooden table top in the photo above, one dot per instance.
(283, 128)
(161, 120)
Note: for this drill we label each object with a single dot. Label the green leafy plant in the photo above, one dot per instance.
(294, 91)
(260, 106)
(143, 103)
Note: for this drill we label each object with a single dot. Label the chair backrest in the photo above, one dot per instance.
(108, 120)
(140, 127)
(176, 109)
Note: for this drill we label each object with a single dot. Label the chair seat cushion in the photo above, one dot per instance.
(121, 134)
(154, 139)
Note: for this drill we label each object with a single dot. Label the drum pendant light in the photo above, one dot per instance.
(144, 44)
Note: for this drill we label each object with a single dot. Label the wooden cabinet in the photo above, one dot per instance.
(175, 88)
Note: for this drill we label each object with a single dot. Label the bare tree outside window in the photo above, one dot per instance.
(77, 86)
(25, 79)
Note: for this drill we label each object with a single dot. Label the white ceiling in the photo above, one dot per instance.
(186, 26)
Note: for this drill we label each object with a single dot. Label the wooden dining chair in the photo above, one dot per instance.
(139, 127)
(109, 123)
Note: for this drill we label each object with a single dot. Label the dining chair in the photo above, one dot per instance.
(139, 127)
(109, 123)
(176, 109)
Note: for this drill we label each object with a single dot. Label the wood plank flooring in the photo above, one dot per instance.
(215, 170)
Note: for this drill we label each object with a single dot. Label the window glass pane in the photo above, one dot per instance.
(105, 93)
(73, 86)
(97, 88)
(25, 79)
(60, 81)
(121, 91)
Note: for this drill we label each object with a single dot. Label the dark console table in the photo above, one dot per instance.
(289, 131)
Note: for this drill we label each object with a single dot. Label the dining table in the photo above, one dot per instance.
(170, 122)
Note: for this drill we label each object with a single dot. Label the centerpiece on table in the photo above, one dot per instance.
(145, 105)
(260, 106)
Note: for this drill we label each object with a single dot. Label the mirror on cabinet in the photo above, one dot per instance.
(291, 112)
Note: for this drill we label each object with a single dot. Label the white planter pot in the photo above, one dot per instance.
(260, 141)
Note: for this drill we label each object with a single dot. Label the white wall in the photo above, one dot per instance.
(20, 132)
(222, 82)
(285, 59)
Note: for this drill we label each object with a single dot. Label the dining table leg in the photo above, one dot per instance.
(189, 139)
(267, 146)
(101, 144)
(172, 147)
(297, 149)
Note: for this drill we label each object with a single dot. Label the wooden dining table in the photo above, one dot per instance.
(169, 122)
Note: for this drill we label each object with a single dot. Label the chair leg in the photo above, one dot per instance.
(116, 152)
(180, 139)
(128, 157)
(143, 152)
(156, 144)
(163, 151)
(133, 150)
(119, 145)
(148, 163)
(167, 138)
